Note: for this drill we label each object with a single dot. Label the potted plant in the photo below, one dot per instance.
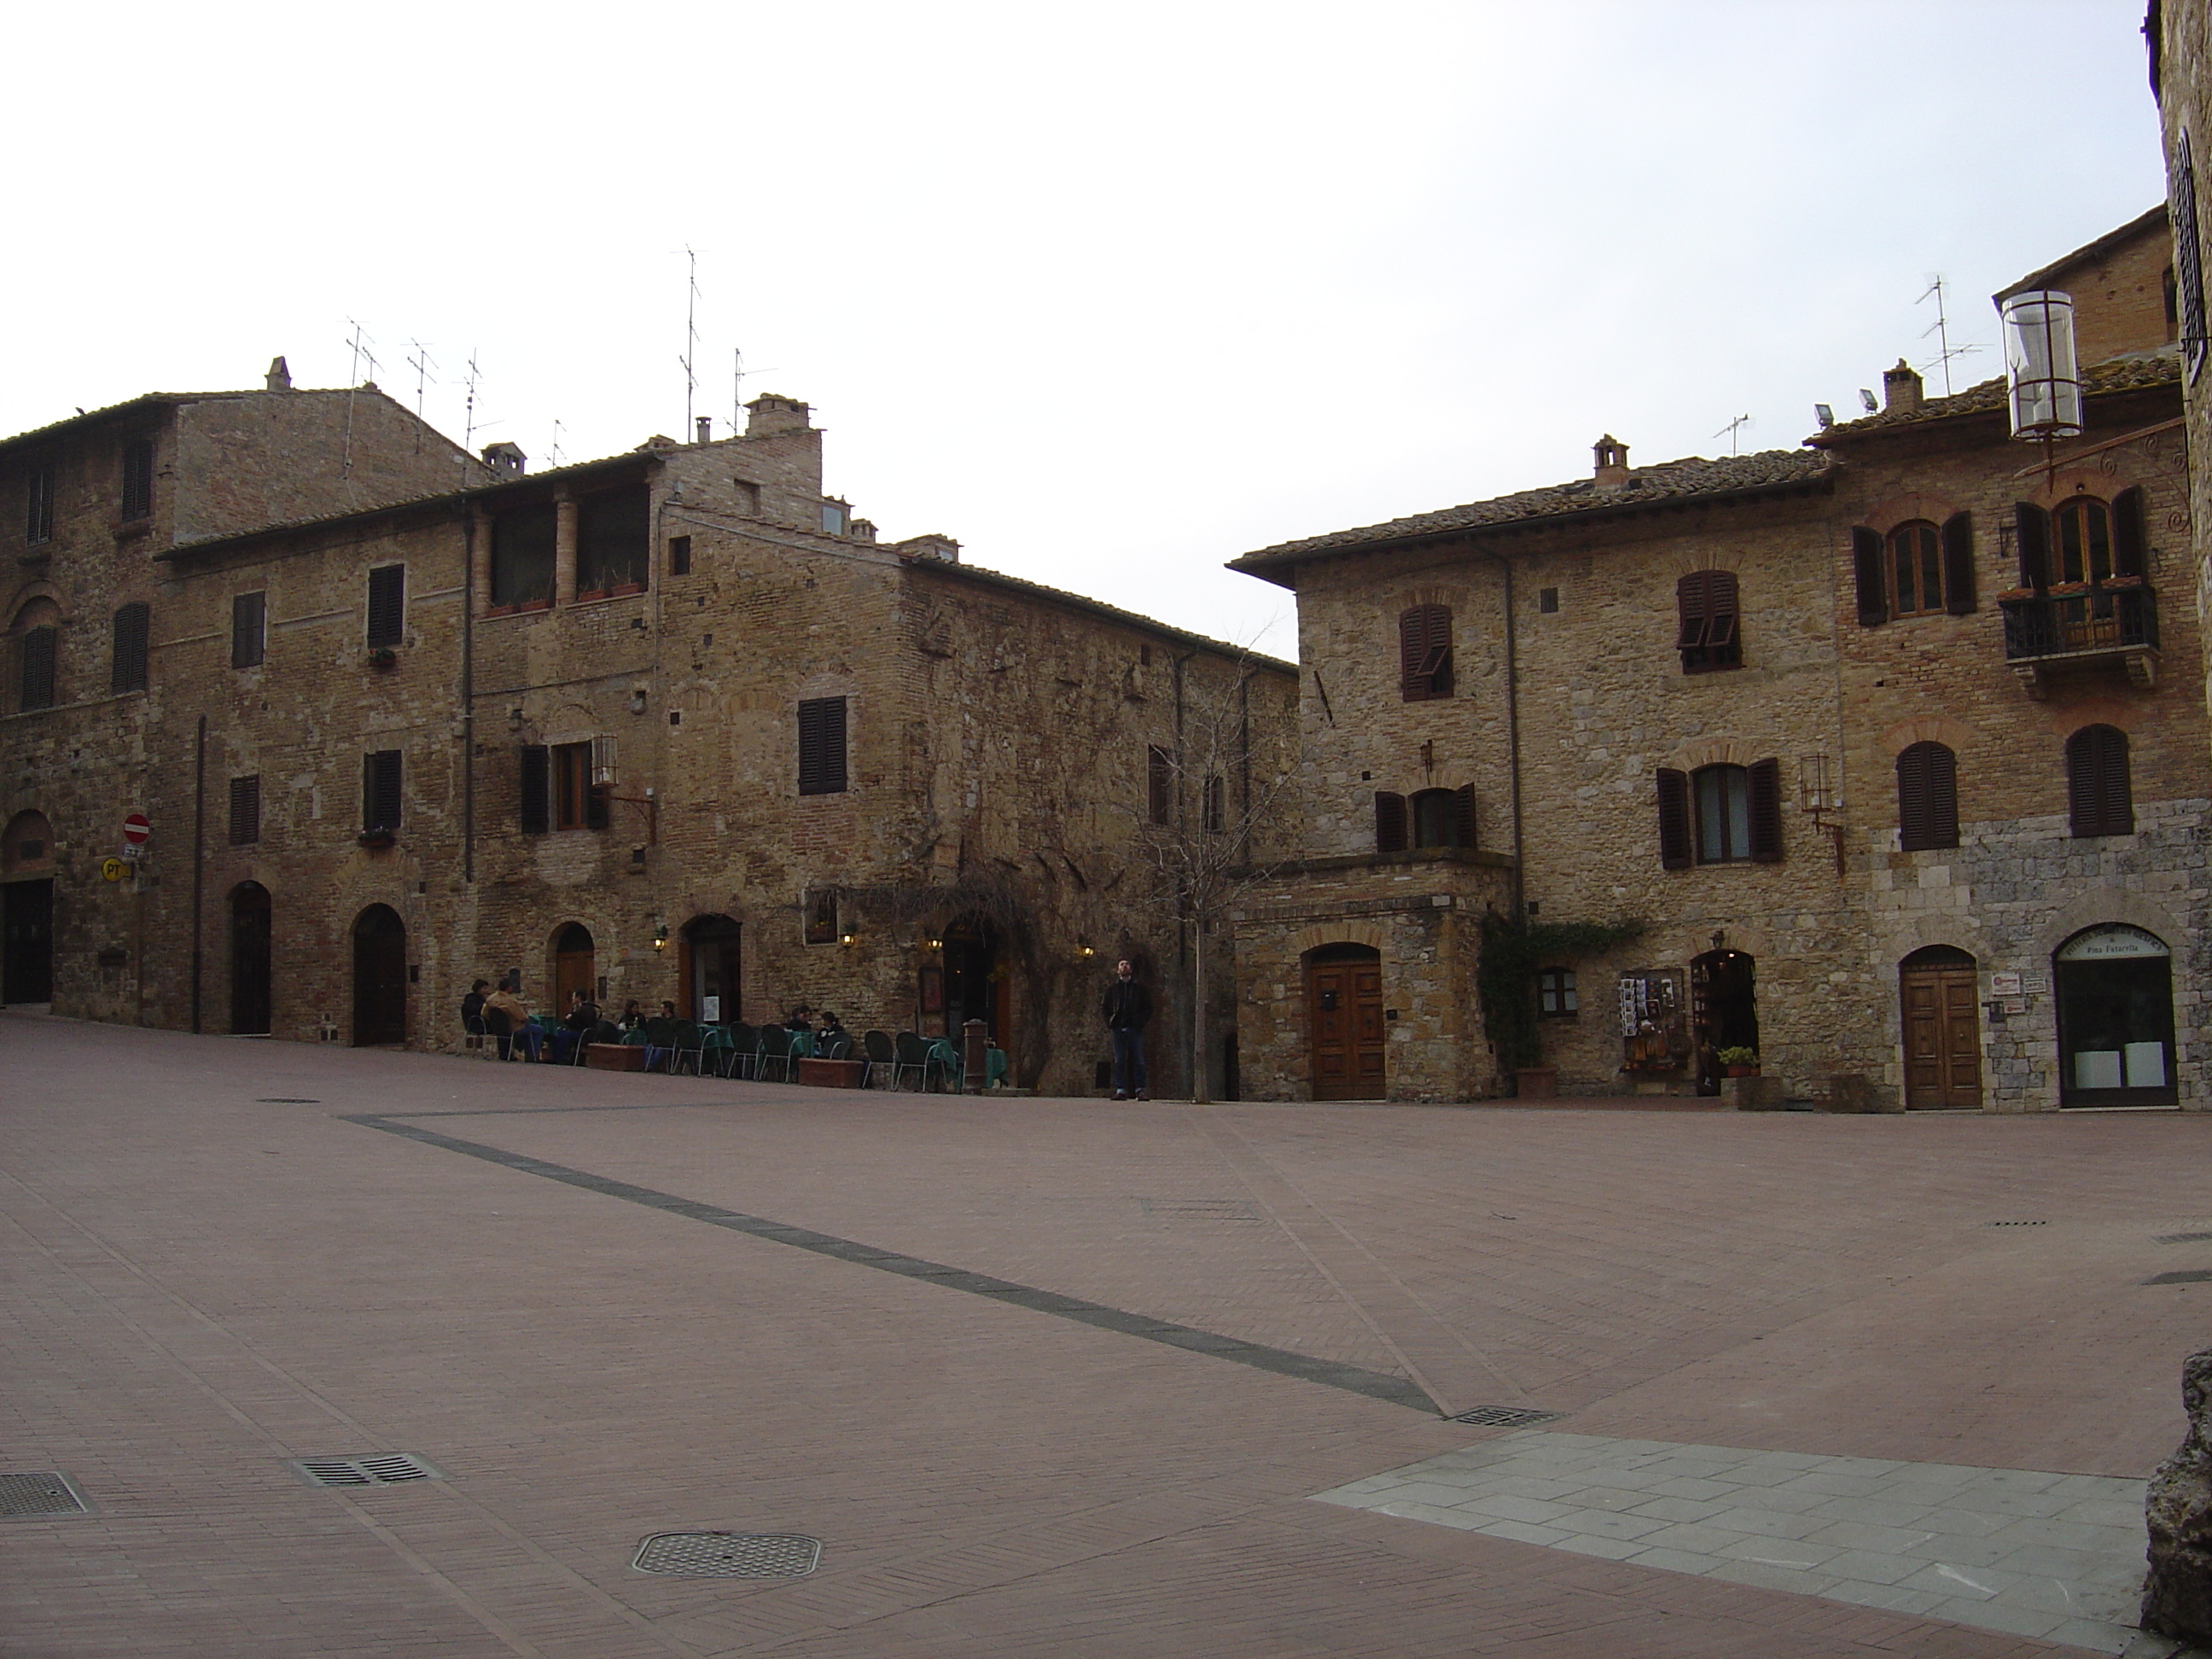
(1739, 1061)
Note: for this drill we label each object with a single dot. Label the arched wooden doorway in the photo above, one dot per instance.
(1723, 1010)
(711, 978)
(1344, 1022)
(380, 977)
(574, 966)
(1936, 987)
(2115, 986)
(26, 909)
(251, 981)
(976, 983)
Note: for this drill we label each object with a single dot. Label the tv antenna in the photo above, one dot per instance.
(1942, 330)
(468, 425)
(690, 338)
(362, 347)
(554, 459)
(1732, 430)
(738, 372)
(420, 362)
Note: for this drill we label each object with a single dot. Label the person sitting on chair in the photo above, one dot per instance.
(575, 1025)
(510, 1004)
(473, 1008)
(660, 1038)
(833, 1039)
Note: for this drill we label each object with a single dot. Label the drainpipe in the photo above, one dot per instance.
(1194, 1042)
(199, 862)
(469, 534)
(1513, 737)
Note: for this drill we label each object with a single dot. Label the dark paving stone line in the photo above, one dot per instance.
(2185, 1276)
(1352, 1379)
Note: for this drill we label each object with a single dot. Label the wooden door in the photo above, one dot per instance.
(251, 981)
(574, 970)
(1942, 1038)
(1344, 1003)
(379, 978)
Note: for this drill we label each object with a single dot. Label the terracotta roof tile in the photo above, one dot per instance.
(2132, 373)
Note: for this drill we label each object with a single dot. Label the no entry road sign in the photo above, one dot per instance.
(136, 830)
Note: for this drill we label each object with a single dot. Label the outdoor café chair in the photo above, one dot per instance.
(688, 1041)
(881, 1058)
(744, 1050)
(774, 1050)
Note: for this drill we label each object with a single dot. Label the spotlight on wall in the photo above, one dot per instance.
(1084, 950)
(848, 940)
(661, 937)
(933, 944)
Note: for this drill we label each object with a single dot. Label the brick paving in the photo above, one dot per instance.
(204, 1281)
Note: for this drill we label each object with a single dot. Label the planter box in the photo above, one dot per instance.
(1539, 1082)
(833, 1073)
(614, 1057)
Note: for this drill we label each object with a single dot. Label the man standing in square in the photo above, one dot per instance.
(1128, 1007)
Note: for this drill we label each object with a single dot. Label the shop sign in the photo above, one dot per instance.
(2106, 943)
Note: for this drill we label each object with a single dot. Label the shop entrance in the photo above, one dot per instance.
(250, 976)
(1344, 1021)
(976, 981)
(380, 977)
(575, 966)
(2115, 986)
(712, 943)
(1723, 1012)
(1943, 1030)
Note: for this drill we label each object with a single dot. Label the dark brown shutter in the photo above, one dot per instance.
(380, 790)
(127, 668)
(244, 810)
(2031, 530)
(1866, 568)
(1766, 812)
(597, 811)
(1927, 798)
(1389, 821)
(1159, 784)
(2097, 782)
(248, 629)
(139, 478)
(38, 662)
(1466, 794)
(822, 746)
(1693, 610)
(1425, 652)
(537, 789)
(1674, 819)
(1943, 796)
(1958, 564)
(2128, 549)
(387, 605)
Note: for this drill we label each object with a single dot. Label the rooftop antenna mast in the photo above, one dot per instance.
(421, 363)
(738, 371)
(361, 346)
(1732, 429)
(690, 339)
(1942, 330)
(557, 430)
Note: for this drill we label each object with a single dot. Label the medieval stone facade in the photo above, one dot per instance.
(1870, 750)
(671, 725)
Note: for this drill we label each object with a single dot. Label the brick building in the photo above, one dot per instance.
(672, 724)
(1868, 741)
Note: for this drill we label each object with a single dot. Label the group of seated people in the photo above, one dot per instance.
(504, 1017)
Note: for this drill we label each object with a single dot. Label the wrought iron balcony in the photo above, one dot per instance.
(2081, 625)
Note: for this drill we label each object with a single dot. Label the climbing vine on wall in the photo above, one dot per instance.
(1505, 975)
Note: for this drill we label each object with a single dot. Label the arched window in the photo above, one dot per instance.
(1721, 814)
(1927, 798)
(127, 666)
(1443, 818)
(1915, 568)
(2082, 529)
(2098, 791)
(1711, 635)
(1425, 652)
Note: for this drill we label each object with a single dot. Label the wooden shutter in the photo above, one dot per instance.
(1425, 652)
(1766, 812)
(127, 668)
(2098, 793)
(38, 663)
(1958, 564)
(1866, 569)
(537, 789)
(1675, 844)
(1466, 794)
(244, 810)
(39, 519)
(2129, 552)
(1927, 798)
(380, 790)
(1159, 784)
(822, 746)
(2189, 274)
(596, 809)
(387, 605)
(139, 478)
(2032, 532)
(248, 618)
(1389, 821)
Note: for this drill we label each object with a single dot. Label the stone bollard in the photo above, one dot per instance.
(973, 1062)
(2178, 1509)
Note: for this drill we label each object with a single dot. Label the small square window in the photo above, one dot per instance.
(1555, 992)
(833, 518)
(1547, 600)
(822, 916)
(679, 555)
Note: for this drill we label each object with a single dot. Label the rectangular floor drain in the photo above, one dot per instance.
(729, 1555)
(1504, 1417)
(2020, 1224)
(382, 1469)
(47, 1492)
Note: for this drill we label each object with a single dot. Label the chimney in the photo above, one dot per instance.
(1611, 471)
(505, 460)
(706, 426)
(280, 375)
(1900, 387)
(943, 549)
(768, 414)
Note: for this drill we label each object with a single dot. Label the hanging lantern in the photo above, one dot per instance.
(2047, 383)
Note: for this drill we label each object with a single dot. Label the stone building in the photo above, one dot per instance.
(670, 725)
(1864, 748)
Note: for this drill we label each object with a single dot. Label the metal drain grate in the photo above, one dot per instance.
(1504, 1417)
(382, 1469)
(47, 1492)
(2183, 1238)
(2020, 1224)
(1215, 1209)
(729, 1555)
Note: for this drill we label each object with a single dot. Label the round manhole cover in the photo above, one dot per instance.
(729, 1555)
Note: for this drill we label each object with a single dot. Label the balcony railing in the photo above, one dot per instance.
(2084, 626)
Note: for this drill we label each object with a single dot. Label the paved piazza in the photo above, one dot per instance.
(690, 1367)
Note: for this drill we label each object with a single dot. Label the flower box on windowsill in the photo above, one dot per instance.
(518, 606)
(590, 594)
(377, 840)
(620, 589)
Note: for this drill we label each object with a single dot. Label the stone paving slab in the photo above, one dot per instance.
(2057, 1557)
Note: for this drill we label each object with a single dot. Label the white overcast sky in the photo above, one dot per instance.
(1109, 294)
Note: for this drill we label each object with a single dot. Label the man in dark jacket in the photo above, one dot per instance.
(1128, 1008)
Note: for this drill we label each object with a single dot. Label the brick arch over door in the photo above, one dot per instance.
(1369, 933)
(2101, 905)
(2053, 494)
(2064, 719)
(1927, 728)
(1886, 514)
(1717, 752)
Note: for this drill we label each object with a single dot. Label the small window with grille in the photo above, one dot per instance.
(1555, 992)
(245, 811)
(249, 617)
(127, 666)
(137, 479)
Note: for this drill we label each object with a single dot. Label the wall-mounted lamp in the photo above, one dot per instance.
(933, 944)
(661, 937)
(1084, 950)
(637, 701)
(848, 940)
